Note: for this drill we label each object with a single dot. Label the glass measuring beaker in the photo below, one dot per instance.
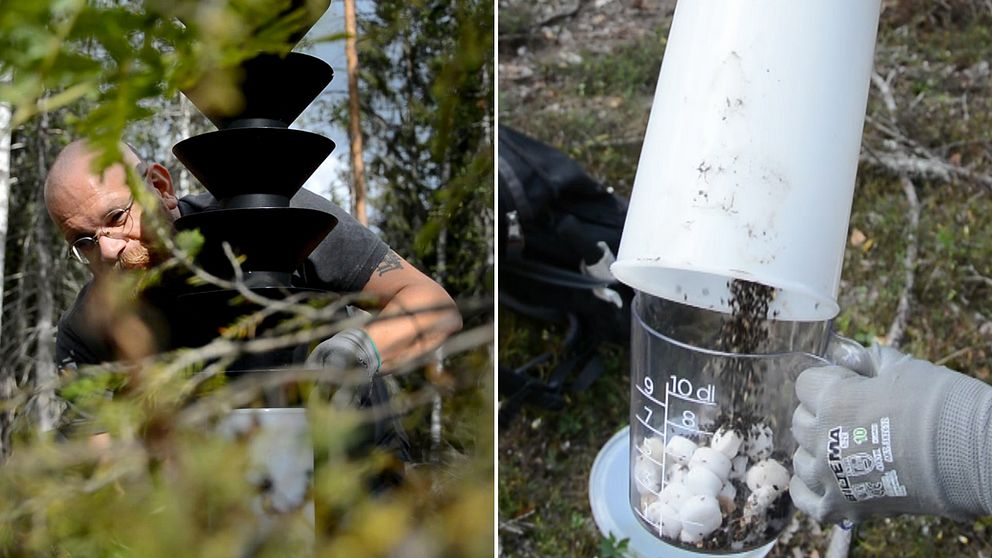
(710, 436)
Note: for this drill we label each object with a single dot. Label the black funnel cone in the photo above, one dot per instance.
(275, 239)
(205, 314)
(244, 161)
(307, 13)
(304, 14)
(275, 90)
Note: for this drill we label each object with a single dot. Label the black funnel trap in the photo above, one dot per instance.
(275, 91)
(253, 166)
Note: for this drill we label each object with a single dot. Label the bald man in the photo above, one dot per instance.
(106, 228)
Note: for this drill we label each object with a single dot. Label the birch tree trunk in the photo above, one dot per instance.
(47, 405)
(354, 127)
(5, 114)
(489, 214)
(20, 312)
(437, 408)
(8, 386)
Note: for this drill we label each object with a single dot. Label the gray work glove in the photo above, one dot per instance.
(347, 350)
(915, 438)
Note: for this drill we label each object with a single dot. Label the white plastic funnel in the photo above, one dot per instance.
(748, 164)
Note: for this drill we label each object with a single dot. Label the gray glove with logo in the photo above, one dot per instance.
(915, 438)
(347, 350)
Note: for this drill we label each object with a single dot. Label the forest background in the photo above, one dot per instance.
(580, 75)
(108, 70)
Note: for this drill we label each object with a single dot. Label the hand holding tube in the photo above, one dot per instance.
(916, 438)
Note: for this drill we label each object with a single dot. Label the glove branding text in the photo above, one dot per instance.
(847, 465)
(835, 461)
(886, 440)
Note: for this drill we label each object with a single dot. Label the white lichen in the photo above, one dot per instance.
(760, 442)
(702, 481)
(680, 449)
(726, 496)
(712, 460)
(665, 517)
(700, 516)
(738, 468)
(758, 503)
(647, 475)
(677, 473)
(768, 474)
(654, 446)
(675, 495)
(647, 499)
(727, 441)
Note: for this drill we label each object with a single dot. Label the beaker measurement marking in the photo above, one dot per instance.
(691, 400)
(644, 517)
(670, 423)
(688, 428)
(683, 389)
(648, 488)
(651, 428)
(648, 455)
(648, 395)
(640, 513)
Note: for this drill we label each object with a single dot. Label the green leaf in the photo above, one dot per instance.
(189, 241)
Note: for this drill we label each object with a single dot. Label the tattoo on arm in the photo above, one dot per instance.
(389, 262)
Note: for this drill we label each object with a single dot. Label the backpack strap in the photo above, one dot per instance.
(579, 353)
(523, 211)
(524, 389)
(552, 275)
(515, 240)
(516, 189)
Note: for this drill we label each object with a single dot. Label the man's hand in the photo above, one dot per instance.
(347, 350)
(916, 439)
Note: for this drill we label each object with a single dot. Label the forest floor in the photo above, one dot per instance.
(580, 75)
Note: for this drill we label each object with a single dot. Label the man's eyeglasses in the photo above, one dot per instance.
(116, 224)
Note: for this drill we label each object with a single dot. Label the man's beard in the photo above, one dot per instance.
(137, 256)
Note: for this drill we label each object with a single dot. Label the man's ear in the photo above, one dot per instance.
(160, 179)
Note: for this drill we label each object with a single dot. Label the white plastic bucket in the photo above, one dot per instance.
(748, 164)
(280, 459)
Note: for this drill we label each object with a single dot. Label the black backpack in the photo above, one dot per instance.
(559, 230)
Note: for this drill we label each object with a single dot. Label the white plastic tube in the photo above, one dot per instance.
(748, 164)
(280, 457)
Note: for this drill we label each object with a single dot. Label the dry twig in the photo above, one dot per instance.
(516, 525)
(904, 155)
(906, 158)
(894, 336)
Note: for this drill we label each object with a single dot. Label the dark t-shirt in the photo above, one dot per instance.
(342, 263)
